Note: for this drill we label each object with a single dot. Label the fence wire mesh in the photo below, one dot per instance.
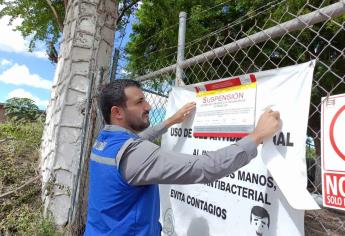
(275, 35)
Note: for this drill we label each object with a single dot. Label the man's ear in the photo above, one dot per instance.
(116, 113)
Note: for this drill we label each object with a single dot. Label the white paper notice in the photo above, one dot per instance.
(226, 111)
(287, 178)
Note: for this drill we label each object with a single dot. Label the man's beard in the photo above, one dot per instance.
(137, 124)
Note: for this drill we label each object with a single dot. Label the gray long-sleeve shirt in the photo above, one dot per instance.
(142, 162)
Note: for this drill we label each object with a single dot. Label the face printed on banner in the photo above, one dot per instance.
(137, 109)
(259, 220)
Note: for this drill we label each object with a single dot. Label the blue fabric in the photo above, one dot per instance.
(114, 206)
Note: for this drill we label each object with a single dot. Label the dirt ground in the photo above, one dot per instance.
(324, 222)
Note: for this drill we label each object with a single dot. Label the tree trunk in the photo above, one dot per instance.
(86, 47)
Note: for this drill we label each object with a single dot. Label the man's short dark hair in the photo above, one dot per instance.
(113, 94)
(261, 213)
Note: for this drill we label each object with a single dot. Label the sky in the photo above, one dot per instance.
(23, 74)
(26, 74)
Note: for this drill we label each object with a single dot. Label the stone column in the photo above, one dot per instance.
(86, 46)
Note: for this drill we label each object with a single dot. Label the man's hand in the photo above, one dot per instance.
(180, 115)
(269, 123)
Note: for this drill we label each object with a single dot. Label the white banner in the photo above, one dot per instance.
(247, 202)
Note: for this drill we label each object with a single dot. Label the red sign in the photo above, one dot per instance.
(333, 151)
(334, 190)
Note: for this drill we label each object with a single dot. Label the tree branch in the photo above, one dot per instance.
(65, 4)
(57, 17)
(124, 9)
(20, 187)
(52, 53)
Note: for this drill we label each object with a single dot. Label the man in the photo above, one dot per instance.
(125, 166)
(259, 220)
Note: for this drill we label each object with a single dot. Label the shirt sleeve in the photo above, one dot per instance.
(153, 132)
(142, 162)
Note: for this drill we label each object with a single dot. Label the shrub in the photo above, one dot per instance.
(21, 110)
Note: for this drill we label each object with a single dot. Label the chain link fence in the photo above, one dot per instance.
(276, 35)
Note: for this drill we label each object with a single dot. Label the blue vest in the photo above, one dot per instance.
(114, 206)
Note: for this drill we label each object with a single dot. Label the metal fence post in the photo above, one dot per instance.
(114, 64)
(180, 48)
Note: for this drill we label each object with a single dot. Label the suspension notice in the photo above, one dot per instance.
(226, 108)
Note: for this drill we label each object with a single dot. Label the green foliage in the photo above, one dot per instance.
(39, 22)
(153, 44)
(155, 35)
(311, 153)
(20, 212)
(21, 110)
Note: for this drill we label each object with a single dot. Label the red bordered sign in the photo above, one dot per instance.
(333, 151)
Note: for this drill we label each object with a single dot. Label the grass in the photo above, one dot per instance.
(20, 212)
